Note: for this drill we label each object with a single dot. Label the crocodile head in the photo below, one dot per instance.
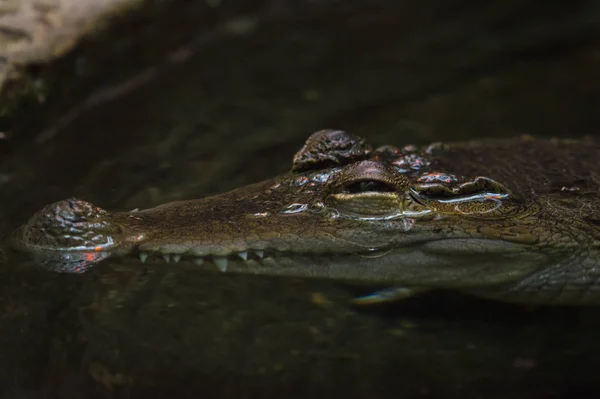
(469, 215)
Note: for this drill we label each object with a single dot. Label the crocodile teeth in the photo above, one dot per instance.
(260, 254)
(167, 258)
(221, 263)
(199, 261)
(143, 256)
(243, 255)
(176, 258)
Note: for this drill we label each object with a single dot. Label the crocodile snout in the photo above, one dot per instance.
(68, 235)
(67, 225)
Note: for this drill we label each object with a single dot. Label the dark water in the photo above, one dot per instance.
(234, 112)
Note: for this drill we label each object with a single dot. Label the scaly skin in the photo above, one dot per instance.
(515, 220)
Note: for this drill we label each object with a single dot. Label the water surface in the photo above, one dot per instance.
(233, 112)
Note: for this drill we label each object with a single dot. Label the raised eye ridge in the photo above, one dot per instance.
(442, 190)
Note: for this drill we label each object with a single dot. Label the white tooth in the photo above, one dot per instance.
(176, 258)
(167, 258)
(260, 254)
(199, 261)
(221, 263)
(143, 256)
(243, 255)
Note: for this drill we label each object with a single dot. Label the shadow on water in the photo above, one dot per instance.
(232, 111)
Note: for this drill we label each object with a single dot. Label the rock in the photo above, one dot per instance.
(37, 31)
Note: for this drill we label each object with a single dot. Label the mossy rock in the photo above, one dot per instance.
(38, 31)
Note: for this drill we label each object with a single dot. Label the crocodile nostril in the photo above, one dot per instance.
(76, 210)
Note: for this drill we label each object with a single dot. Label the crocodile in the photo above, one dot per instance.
(514, 220)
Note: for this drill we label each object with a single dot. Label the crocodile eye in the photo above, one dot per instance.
(367, 186)
(367, 189)
(367, 177)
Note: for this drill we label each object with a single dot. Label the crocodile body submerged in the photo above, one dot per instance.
(515, 220)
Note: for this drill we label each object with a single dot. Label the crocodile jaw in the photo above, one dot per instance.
(419, 264)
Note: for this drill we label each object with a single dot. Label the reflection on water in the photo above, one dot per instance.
(234, 113)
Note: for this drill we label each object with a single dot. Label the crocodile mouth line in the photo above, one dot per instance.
(220, 261)
(250, 256)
